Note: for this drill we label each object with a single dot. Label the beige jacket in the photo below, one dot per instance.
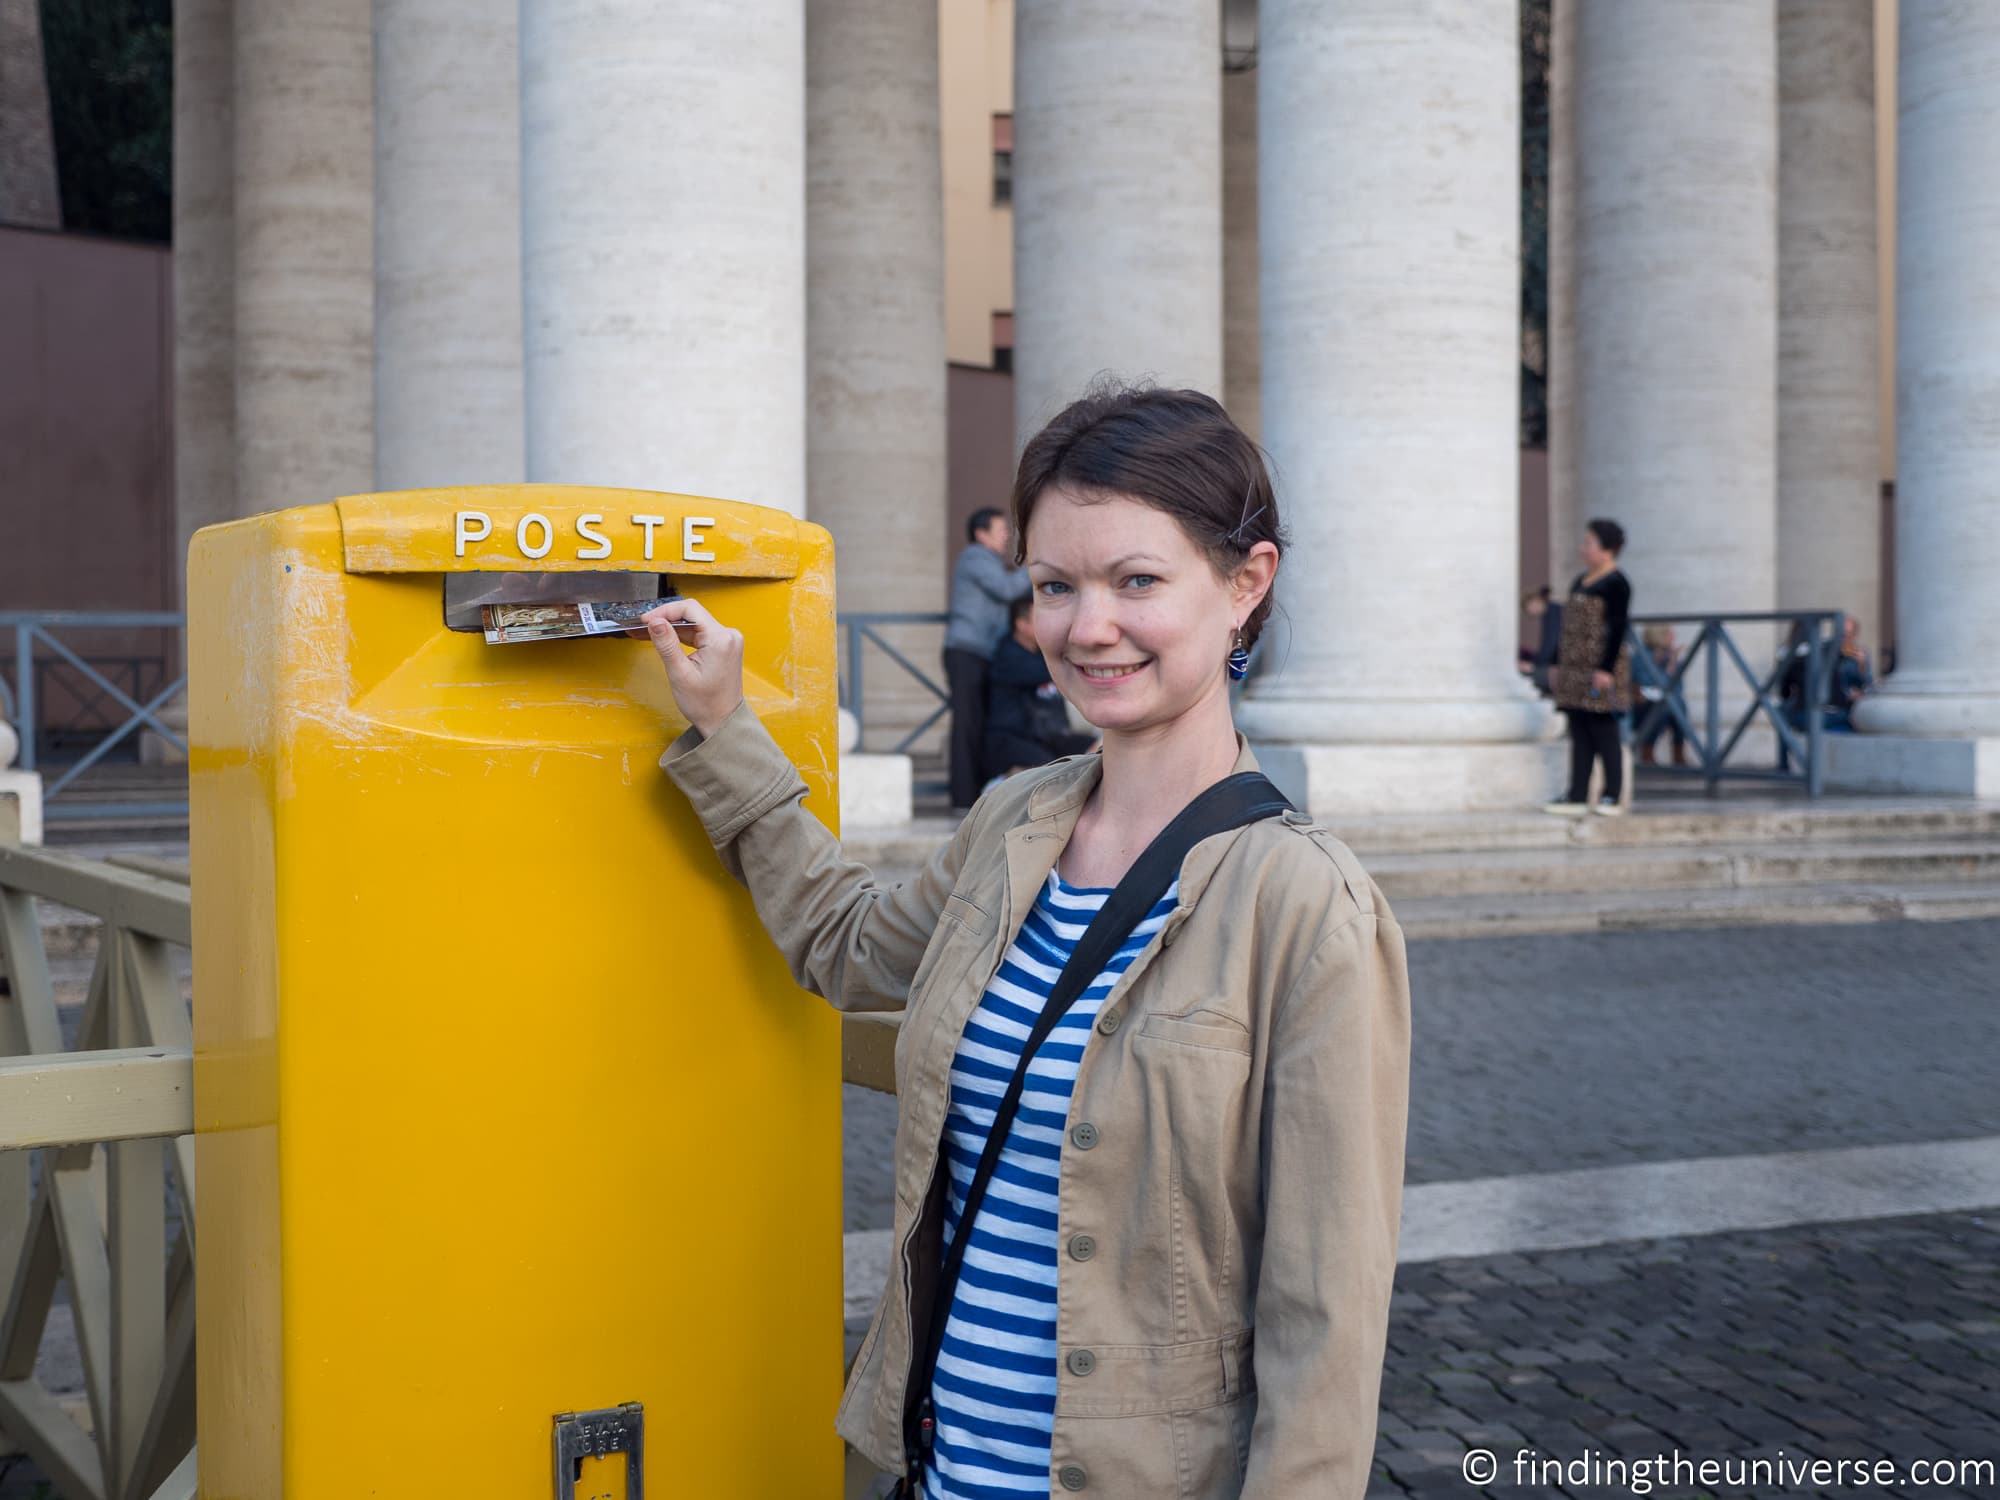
(1230, 1233)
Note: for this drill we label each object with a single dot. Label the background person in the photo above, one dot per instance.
(1027, 719)
(1848, 680)
(983, 584)
(1664, 650)
(1594, 671)
(1537, 664)
(1254, 1055)
(1852, 677)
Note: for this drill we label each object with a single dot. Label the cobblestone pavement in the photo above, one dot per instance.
(1872, 1341)
(1539, 1054)
(1876, 1340)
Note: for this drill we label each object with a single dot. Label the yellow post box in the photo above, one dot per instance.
(518, 1151)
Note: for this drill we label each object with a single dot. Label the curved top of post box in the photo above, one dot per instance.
(566, 528)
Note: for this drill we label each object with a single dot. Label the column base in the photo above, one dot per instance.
(20, 807)
(1296, 717)
(1350, 780)
(155, 749)
(875, 790)
(1914, 765)
(1920, 705)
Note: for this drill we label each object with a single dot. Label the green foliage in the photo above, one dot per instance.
(111, 88)
(1536, 38)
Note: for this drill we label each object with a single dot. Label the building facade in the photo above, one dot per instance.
(772, 252)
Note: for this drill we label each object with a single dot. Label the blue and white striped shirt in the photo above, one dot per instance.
(994, 1393)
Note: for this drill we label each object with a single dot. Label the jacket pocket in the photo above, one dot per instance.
(963, 930)
(1162, 1419)
(1131, 1380)
(1198, 1031)
(950, 929)
(1212, 1448)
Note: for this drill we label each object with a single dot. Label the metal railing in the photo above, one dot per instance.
(1807, 659)
(859, 629)
(36, 633)
(111, 1120)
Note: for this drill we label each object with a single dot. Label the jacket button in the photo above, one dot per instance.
(1110, 1021)
(1081, 1247)
(1072, 1477)
(1081, 1361)
(1083, 1136)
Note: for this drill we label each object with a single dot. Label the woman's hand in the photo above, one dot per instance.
(707, 683)
(1600, 680)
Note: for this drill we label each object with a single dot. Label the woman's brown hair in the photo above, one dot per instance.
(1174, 450)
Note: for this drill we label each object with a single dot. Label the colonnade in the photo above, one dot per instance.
(698, 245)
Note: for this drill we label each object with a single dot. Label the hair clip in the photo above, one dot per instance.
(1236, 535)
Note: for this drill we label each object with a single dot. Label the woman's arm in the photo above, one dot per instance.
(1336, 1107)
(844, 936)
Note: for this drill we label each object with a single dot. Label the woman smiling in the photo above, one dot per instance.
(1146, 1208)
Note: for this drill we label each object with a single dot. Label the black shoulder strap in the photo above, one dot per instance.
(1232, 802)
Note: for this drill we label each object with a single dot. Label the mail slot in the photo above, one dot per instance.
(507, 1110)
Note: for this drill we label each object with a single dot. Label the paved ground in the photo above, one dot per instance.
(1877, 1339)
(1872, 1341)
(1538, 1054)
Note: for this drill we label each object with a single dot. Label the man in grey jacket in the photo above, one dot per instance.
(983, 584)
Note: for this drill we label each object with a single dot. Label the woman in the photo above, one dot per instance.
(1594, 672)
(1179, 1283)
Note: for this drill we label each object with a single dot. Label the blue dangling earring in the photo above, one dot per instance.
(1239, 659)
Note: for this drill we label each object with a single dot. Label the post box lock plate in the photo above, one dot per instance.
(590, 1434)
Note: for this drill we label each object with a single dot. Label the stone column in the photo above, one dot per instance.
(1117, 198)
(1829, 450)
(1676, 295)
(304, 242)
(447, 243)
(875, 344)
(28, 193)
(1565, 512)
(1390, 240)
(1947, 678)
(663, 245)
(204, 273)
(1241, 359)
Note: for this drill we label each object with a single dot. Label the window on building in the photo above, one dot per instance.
(1003, 342)
(1003, 159)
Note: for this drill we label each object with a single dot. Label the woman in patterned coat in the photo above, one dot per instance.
(1593, 677)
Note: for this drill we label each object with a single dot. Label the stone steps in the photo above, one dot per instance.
(1570, 871)
(1676, 821)
(1678, 862)
(1630, 911)
(1680, 821)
